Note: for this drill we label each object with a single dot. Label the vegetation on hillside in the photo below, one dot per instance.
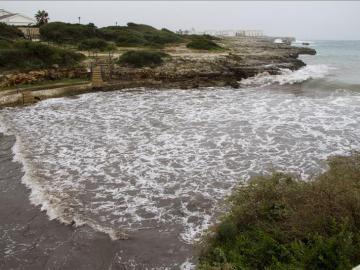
(29, 55)
(204, 36)
(10, 32)
(203, 44)
(67, 33)
(95, 44)
(130, 35)
(142, 58)
(139, 35)
(280, 222)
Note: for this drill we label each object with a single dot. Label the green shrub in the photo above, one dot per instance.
(204, 36)
(281, 222)
(130, 35)
(142, 58)
(94, 44)
(28, 55)
(139, 35)
(203, 44)
(10, 32)
(5, 44)
(130, 38)
(60, 32)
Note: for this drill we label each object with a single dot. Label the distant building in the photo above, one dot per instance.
(15, 19)
(225, 33)
(182, 32)
(192, 31)
(249, 33)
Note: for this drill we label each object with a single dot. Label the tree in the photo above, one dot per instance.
(42, 17)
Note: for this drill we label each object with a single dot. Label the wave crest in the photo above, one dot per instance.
(287, 76)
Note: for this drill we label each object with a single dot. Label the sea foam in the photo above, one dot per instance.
(127, 161)
(288, 77)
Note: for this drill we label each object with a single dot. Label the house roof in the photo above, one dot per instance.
(14, 14)
(5, 11)
(6, 16)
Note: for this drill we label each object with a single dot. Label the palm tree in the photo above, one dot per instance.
(42, 17)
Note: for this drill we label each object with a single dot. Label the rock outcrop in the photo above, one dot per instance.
(242, 58)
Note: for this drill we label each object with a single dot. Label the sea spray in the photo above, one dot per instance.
(287, 76)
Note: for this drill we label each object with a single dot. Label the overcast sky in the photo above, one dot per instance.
(303, 19)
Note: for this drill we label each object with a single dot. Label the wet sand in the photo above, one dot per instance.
(29, 240)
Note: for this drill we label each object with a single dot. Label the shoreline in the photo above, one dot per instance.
(186, 69)
(30, 240)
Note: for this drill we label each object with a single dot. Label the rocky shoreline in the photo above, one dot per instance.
(242, 58)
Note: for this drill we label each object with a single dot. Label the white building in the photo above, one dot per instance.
(16, 19)
(249, 33)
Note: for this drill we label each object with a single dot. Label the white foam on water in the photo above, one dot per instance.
(188, 265)
(303, 41)
(124, 161)
(288, 77)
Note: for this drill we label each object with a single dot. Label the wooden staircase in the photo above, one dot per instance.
(96, 77)
(27, 97)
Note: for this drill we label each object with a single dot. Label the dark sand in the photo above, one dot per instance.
(29, 240)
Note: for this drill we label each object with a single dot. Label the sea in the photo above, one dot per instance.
(165, 160)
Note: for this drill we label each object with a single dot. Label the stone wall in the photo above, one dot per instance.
(13, 79)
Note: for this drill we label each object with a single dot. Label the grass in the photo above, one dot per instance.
(142, 58)
(281, 222)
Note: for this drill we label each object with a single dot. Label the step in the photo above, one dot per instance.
(96, 77)
(27, 97)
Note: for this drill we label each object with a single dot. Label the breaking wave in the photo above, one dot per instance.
(127, 161)
(303, 41)
(288, 77)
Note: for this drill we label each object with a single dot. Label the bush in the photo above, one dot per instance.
(5, 44)
(130, 35)
(204, 36)
(139, 35)
(281, 222)
(142, 58)
(94, 44)
(10, 32)
(60, 32)
(203, 44)
(28, 55)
